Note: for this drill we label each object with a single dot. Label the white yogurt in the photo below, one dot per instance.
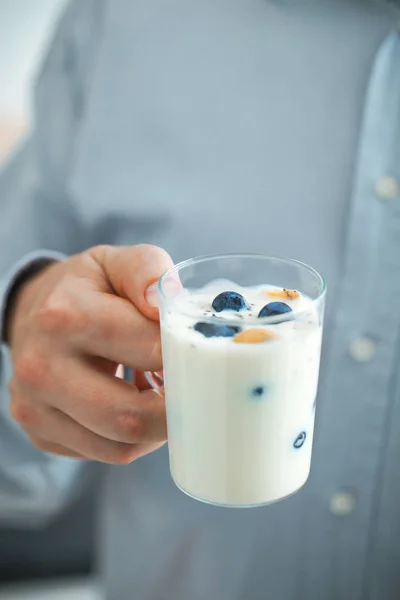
(240, 415)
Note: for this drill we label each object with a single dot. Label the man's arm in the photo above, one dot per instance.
(38, 220)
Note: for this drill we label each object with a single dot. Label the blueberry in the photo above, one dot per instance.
(258, 391)
(299, 441)
(273, 309)
(213, 330)
(229, 301)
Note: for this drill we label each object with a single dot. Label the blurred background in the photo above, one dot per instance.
(25, 27)
(54, 563)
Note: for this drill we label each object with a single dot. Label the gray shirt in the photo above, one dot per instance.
(217, 126)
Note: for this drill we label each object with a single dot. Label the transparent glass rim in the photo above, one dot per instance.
(253, 320)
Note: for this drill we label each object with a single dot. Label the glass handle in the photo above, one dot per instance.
(156, 380)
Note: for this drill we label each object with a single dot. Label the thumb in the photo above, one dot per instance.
(131, 270)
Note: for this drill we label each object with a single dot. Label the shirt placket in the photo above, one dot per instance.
(355, 393)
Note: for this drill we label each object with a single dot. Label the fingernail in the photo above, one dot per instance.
(152, 295)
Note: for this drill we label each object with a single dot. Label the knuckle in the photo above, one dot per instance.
(151, 250)
(131, 425)
(58, 315)
(98, 253)
(101, 249)
(31, 369)
(55, 314)
(24, 414)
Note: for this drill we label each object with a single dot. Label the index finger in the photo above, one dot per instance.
(131, 270)
(116, 330)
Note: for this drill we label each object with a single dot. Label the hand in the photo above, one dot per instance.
(70, 328)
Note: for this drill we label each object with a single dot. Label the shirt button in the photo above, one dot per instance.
(342, 504)
(362, 349)
(387, 188)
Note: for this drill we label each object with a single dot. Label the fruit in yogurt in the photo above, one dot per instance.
(273, 309)
(229, 301)
(213, 330)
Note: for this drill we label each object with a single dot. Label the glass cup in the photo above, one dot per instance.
(240, 416)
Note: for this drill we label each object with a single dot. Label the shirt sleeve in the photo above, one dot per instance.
(24, 269)
(39, 220)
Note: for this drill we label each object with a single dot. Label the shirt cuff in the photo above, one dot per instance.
(22, 270)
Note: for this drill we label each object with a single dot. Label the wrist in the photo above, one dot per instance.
(22, 287)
